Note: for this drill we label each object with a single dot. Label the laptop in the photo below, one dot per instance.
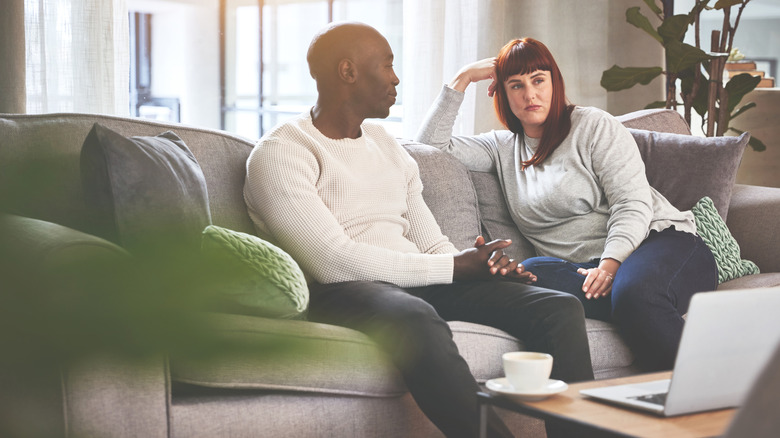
(727, 339)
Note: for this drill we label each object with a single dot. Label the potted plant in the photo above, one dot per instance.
(699, 73)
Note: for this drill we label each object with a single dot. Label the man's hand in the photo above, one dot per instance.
(485, 260)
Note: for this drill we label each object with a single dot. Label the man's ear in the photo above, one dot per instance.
(347, 71)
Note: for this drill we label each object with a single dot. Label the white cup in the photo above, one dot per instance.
(527, 370)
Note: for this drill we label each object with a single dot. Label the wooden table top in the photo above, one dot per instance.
(572, 406)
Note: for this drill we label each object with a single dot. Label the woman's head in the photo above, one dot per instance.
(530, 95)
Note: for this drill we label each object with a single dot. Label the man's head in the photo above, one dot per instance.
(353, 62)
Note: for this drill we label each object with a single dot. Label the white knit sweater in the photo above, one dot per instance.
(346, 209)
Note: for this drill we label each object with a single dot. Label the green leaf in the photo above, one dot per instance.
(700, 102)
(756, 144)
(633, 16)
(697, 8)
(653, 7)
(743, 109)
(619, 78)
(739, 86)
(656, 104)
(687, 78)
(674, 28)
(680, 56)
(722, 4)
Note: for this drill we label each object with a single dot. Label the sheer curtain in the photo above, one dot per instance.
(440, 36)
(77, 56)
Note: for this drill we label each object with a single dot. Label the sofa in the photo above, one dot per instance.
(337, 384)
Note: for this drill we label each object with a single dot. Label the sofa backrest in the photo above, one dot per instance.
(39, 173)
(39, 165)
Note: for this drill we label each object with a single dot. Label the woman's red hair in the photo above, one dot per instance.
(523, 56)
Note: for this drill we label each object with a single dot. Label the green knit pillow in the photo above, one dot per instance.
(265, 281)
(724, 247)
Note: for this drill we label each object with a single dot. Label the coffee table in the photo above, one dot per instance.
(601, 419)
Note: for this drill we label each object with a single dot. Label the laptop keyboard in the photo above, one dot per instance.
(659, 399)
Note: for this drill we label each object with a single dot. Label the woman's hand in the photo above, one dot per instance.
(598, 281)
(475, 72)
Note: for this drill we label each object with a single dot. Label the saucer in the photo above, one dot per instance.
(502, 386)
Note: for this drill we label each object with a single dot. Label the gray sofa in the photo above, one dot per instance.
(338, 384)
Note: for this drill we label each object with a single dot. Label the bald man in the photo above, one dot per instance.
(345, 200)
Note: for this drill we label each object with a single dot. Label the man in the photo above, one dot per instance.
(345, 200)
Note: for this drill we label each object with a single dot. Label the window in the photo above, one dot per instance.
(142, 102)
(265, 78)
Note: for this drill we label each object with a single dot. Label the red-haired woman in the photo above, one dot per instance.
(575, 185)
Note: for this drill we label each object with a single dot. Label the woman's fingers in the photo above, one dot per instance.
(597, 284)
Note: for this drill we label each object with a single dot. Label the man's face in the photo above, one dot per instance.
(376, 80)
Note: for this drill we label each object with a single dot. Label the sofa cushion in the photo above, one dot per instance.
(482, 347)
(263, 279)
(752, 220)
(767, 279)
(659, 120)
(289, 355)
(448, 192)
(725, 249)
(496, 220)
(685, 168)
(608, 351)
(143, 190)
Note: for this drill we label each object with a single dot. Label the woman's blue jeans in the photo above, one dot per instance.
(651, 291)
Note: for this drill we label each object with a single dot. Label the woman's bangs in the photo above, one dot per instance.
(522, 59)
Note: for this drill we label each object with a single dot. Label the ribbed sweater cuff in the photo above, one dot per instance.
(441, 268)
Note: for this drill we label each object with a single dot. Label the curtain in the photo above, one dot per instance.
(77, 56)
(439, 37)
(12, 90)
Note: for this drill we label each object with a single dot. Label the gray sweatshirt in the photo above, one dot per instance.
(589, 199)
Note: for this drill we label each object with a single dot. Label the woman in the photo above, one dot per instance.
(575, 185)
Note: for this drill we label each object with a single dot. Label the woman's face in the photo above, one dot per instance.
(529, 97)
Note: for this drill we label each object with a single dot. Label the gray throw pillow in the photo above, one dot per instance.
(686, 168)
(144, 191)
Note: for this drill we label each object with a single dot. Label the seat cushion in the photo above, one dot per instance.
(767, 279)
(290, 355)
(609, 353)
(482, 348)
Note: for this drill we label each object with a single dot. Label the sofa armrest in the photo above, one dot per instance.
(57, 285)
(753, 217)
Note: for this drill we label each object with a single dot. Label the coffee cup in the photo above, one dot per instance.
(527, 370)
